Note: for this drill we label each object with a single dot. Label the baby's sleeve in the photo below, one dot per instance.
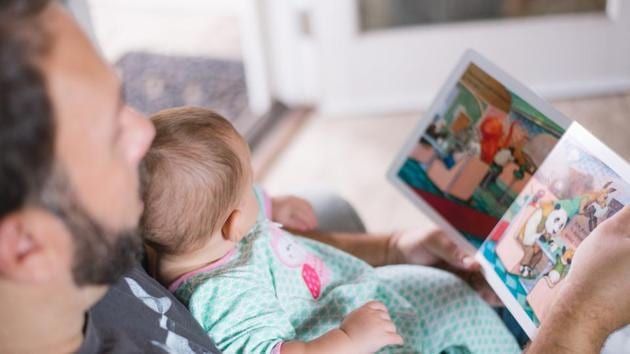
(241, 316)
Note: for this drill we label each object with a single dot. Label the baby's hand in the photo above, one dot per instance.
(370, 328)
(293, 213)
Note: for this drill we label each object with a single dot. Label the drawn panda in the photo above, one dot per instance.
(546, 222)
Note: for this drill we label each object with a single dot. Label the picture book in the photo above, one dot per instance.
(511, 179)
(580, 184)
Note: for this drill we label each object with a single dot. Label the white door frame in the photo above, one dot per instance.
(256, 60)
(290, 50)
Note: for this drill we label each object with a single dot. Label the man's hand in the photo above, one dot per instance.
(594, 299)
(370, 328)
(293, 213)
(435, 248)
(428, 248)
(599, 278)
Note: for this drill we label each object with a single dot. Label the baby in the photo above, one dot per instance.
(256, 288)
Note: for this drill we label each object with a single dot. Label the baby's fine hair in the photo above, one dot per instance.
(192, 178)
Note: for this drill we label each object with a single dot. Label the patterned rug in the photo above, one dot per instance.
(154, 82)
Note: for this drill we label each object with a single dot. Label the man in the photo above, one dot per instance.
(69, 202)
(69, 198)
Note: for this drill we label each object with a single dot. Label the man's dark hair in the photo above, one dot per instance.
(26, 122)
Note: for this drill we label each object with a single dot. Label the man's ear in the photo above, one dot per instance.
(231, 230)
(25, 255)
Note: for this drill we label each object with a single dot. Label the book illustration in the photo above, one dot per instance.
(550, 217)
(479, 151)
(532, 246)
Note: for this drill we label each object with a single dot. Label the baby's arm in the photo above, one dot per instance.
(365, 330)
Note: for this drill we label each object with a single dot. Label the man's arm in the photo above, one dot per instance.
(429, 248)
(423, 247)
(569, 330)
(373, 249)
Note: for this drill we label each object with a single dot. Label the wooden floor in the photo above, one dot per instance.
(350, 155)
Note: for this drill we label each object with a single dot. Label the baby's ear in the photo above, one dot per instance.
(231, 230)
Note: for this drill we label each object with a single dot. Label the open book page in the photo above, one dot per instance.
(479, 145)
(580, 184)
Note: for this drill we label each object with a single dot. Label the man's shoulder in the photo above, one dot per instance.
(138, 313)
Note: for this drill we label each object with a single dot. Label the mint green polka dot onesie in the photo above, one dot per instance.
(275, 287)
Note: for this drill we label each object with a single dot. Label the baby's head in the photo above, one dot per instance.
(198, 183)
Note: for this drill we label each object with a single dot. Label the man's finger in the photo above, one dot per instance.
(447, 250)
(489, 296)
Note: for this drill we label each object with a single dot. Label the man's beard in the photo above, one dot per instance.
(101, 254)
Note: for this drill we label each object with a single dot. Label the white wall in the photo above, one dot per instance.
(342, 71)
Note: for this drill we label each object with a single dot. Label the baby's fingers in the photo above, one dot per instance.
(296, 223)
(393, 339)
(389, 327)
(307, 215)
(376, 305)
(301, 219)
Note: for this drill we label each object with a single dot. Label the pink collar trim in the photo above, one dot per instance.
(184, 277)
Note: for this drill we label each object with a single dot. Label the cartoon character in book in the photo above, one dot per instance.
(438, 137)
(594, 205)
(521, 158)
(546, 222)
(501, 159)
(435, 131)
(598, 199)
(560, 268)
(493, 137)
